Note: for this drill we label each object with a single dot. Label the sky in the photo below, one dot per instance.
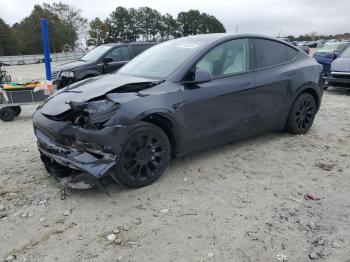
(269, 17)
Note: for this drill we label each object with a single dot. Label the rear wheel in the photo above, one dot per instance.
(144, 157)
(302, 114)
(7, 114)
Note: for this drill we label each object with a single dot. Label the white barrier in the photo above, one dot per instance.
(36, 59)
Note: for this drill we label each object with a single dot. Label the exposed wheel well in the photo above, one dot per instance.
(167, 126)
(314, 94)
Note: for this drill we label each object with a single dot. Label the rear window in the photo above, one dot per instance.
(269, 53)
(137, 49)
(291, 53)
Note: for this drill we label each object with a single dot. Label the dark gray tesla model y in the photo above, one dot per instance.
(176, 98)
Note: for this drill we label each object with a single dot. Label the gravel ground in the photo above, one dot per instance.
(239, 202)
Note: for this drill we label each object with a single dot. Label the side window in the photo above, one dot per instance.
(231, 57)
(291, 53)
(269, 53)
(119, 54)
(137, 49)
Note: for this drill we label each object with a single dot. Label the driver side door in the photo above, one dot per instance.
(223, 109)
(119, 55)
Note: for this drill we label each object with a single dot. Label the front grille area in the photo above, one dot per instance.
(339, 75)
(54, 75)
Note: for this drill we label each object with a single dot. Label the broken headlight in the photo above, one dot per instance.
(94, 114)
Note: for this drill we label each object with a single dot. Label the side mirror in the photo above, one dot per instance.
(200, 76)
(107, 60)
(336, 54)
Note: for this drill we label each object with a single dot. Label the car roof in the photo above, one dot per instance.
(218, 37)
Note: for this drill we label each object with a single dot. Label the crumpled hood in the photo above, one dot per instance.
(341, 64)
(86, 90)
(70, 65)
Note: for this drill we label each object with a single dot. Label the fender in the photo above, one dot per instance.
(85, 73)
(169, 115)
(317, 91)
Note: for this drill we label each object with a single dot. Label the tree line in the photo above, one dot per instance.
(67, 28)
(147, 24)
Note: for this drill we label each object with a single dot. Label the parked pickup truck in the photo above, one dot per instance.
(101, 60)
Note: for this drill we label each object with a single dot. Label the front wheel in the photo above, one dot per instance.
(302, 114)
(144, 156)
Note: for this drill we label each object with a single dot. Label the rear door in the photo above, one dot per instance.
(223, 109)
(274, 76)
(120, 56)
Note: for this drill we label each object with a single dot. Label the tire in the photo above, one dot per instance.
(302, 114)
(7, 114)
(17, 109)
(144, 157)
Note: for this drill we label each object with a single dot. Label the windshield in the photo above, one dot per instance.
(95, 53)
(161, 60)
(328, 48)
(346, 53)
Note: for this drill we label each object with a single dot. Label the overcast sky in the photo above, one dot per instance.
(252, 16)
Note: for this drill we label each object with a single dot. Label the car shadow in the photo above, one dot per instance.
(178, 166)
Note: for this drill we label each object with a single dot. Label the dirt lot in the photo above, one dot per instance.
(240, 202)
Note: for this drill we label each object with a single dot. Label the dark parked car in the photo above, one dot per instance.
(101, 60)
(176, 98)
(340, 70)
(327, 53)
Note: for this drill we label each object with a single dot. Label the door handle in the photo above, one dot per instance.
(245, 84)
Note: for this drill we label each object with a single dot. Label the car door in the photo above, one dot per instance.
(222, 109)
(275, 76)
(119, 55)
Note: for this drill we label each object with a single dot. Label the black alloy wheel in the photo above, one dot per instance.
(144, 156)
(302, 114)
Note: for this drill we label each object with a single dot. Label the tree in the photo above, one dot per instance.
(119, 20)
(70, 16)
(6, 39)
(193, 22)
(28, 32)
(98, 32)
(148, 24)
(133, 24)
(169, 27)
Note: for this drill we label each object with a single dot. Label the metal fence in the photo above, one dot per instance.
(36, 59)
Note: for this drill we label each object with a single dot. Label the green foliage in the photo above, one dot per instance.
(148, 24)
(65, 24)
(98, 32)
(6, 39)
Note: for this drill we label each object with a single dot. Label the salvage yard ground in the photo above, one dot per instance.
(240, 202)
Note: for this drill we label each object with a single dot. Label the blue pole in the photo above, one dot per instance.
(46, 47)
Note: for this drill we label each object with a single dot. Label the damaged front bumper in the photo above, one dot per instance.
(76, 156)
